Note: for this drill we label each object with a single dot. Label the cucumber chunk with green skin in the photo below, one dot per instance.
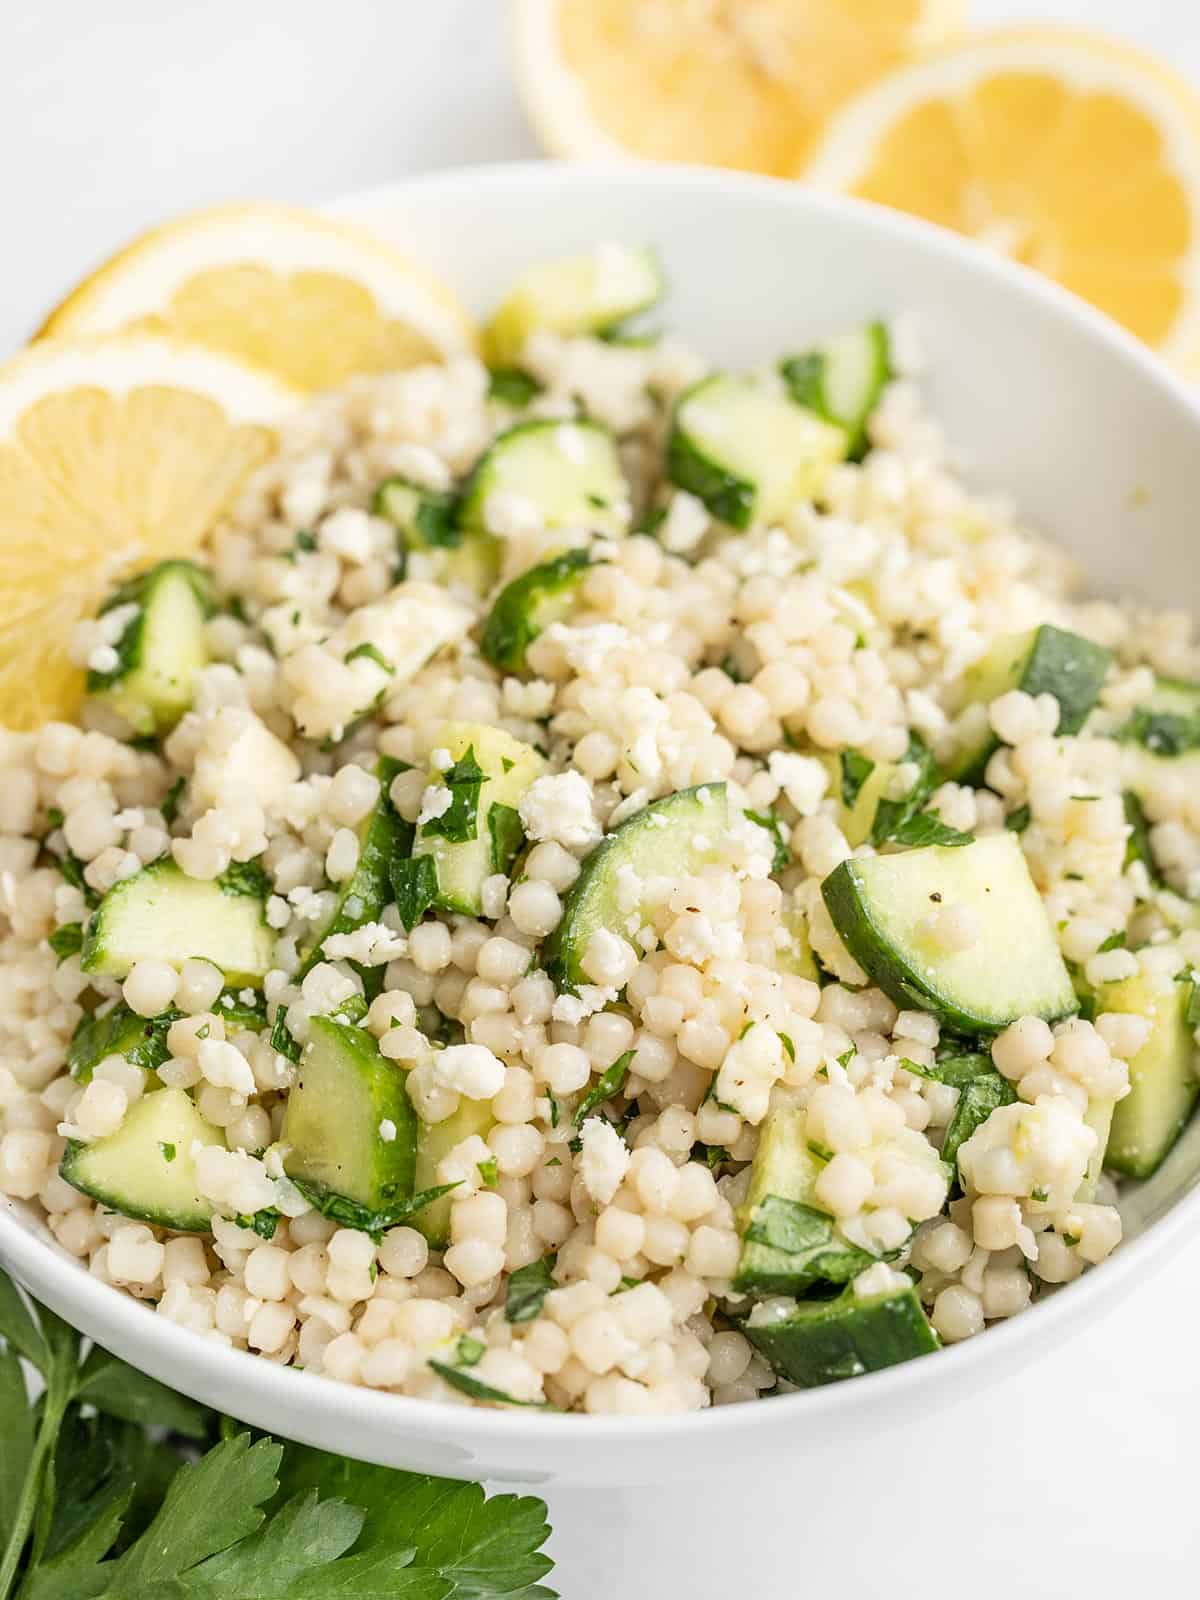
(1098, 1117)
(673, 837)
(160, 914)
(1046, 660)
(362, 897)
(587, 293)
(528, 605)
(796, 956)
(435, 1140)
(349, 1122)
(842, 380)
(1160, 740)
(146, 1169)
(823, 1341)
(162, 647)
(428, 524)
(120, 1032)
(568, 469)
(748, 451)
(789, 1241)
(1162, 1075)
(881, 905)
(475, 837)
(143, 1040)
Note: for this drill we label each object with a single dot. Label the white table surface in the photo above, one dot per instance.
(1075, 1479)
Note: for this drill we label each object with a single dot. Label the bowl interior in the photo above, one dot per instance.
(1044, 401)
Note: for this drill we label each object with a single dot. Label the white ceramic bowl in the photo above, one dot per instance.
(1047, 401)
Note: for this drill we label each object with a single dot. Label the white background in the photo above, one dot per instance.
(1077, 1479)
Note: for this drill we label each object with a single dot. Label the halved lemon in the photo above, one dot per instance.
(113, 454)
(305, 297)
(1071, 153)
(731, 83)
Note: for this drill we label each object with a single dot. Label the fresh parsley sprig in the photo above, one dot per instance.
(93, 1507)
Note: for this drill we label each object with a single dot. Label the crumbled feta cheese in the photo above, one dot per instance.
(507, 515)
(441, 759)
(371, 945)
(802, 778)
(879, 1279)
(1020, 1148)
(749, 1072)
(569, 443)
(387, 1130)
(685, 524)
(559, 807)
(603, 1159)
(239, 760)
(435, 802)
(469, 1069)
(103, 659)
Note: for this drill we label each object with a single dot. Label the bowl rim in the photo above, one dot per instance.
(108, 1314)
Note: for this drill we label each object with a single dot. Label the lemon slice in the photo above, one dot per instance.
(731, 83)
(113, 453)
(1073, 154)
(308, 298)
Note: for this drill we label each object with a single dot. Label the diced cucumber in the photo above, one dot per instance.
(1046, 660)
(146, 1169)
(574, 294)
(823, 1341)
(568, 469)
(858, 795)
(361, 898)
(348, 1120)
(528, 605)
(480, 832)
(1098, 1117)
(1162, 1075)
(119, 1032)
(162, 647)
(428, 524)
(881, 905)
(796, 956)
(842, 380)
(747, 450)
(672, 838)
(435, 1140)
(160, 914)
(789, 1241)
(1161, 739)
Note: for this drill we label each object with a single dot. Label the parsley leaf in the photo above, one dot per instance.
(92, 1508)
(610, 1083)
(67, 940)
(414, 887)
(926, 827)
(460, 820)
(527, 1288)
(512, 386)
(372, 653)
(1017, 821)
(770, 823)
(478, 1390)
(506, 834)
(1115, 941)
(170, 803)
(245, 877)
(891, 814)
(349, 1214)
(856, 769)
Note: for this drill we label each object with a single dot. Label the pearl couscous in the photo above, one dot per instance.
(605, 886)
